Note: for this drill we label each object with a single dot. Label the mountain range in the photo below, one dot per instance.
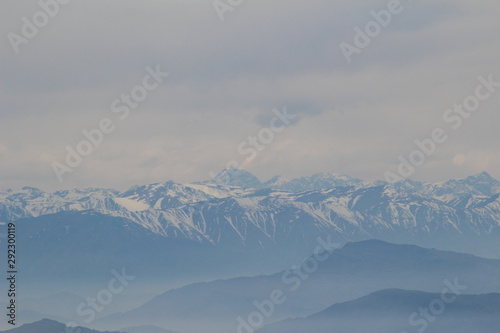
(356, 270)
(50, 326)
(237, 212)
(171, 235)
(237, 219)
(396, 311)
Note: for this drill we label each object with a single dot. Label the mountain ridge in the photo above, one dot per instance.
(51, 326)
(391, 310)
(459, 214)
(353, 271)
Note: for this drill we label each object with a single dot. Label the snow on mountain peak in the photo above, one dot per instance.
(132, 205)
(237, 177)
(333, 202)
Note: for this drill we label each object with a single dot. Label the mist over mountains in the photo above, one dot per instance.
(356, 270)
(244, 235)
(50, 326)
(396, 311)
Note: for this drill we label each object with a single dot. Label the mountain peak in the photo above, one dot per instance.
(48, 321)
(276, 181)
(370, 244)
(372, 248)
(49, 326)
(483, 177)
(237, 177)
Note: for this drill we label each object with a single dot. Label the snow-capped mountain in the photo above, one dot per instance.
(235, 210)
(321, 181)
(236, 177)
(32, 202)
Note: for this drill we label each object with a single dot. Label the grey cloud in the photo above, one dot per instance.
(225, 79)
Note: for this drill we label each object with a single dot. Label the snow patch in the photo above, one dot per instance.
(208, 190)
(131, 205)
(158, 203)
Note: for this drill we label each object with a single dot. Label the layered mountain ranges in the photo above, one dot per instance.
(52, 326)
(400, 311)
(369, 285)
(319, 288)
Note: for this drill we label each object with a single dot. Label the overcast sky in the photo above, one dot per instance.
(225, 79)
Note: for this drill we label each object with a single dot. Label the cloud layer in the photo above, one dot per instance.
(226, 77)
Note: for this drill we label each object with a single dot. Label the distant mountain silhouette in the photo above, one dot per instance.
(145, 329)
(50, 326)
(390, 311)
(354, 271)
